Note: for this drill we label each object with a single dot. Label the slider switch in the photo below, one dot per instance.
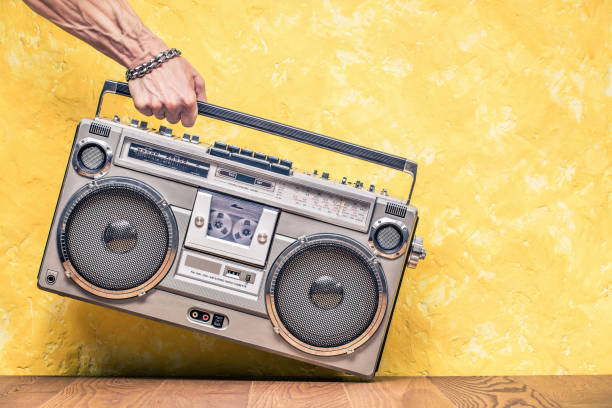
(217, 321)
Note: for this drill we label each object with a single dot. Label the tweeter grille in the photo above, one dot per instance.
(389, 238)
(92, 157)
(117, 237)
(326, 294)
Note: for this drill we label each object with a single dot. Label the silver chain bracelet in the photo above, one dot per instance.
(144, 69)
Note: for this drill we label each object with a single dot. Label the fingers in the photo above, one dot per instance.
(189, 112)
(170, 92)
(200, 87)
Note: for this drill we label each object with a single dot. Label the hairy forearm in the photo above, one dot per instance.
(110, 26)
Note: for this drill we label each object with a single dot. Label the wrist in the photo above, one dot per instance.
(148, 47)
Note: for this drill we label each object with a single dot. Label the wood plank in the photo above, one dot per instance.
(104, 392)
(190, 393)
(28, 391)
(295, 394)
(576, 391)
(390, 392)
(475, 392)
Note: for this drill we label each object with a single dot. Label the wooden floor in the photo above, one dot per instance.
(442, 392)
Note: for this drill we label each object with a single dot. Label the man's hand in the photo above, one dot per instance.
(169, 91)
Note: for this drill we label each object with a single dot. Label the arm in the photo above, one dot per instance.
(170, 91)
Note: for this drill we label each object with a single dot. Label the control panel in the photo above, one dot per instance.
(233, 153)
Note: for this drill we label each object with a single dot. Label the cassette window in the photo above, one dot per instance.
(232, 219)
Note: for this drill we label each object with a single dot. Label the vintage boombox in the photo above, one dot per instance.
(231, 242)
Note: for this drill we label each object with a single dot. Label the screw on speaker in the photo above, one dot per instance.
(389, 238)
(92, 158)
(326, 294)
(117, 238)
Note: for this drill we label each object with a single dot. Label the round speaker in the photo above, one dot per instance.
(389, 237)
(117, 237)
(326, 294)
(92, 157)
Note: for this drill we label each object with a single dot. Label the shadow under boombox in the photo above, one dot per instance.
(231, 242)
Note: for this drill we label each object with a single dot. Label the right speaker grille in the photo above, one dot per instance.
(327, 294)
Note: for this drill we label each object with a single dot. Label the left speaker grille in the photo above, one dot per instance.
(116, 236)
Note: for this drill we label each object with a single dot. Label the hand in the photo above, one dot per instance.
(169, 91)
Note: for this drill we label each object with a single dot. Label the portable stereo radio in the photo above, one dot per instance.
(230, 242)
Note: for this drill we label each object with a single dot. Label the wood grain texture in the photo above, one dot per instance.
(389, 392)
(576, 391)
(26, 392)
(293, 394)
(200, 393)
(104, 392)
(491, 392)
(396, 392)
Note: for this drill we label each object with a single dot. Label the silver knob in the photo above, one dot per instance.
(262, 237)
(199, 221)
(417, 252)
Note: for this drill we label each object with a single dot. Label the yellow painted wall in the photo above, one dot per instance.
(506, 106)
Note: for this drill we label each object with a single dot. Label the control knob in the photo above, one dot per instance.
(417, 252)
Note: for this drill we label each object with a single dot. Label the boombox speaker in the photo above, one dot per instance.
(233, 243)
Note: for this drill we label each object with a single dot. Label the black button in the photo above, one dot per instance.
(143, 124)
(259, 156)
(233, 149)
(280, 169)
(220, 153)
(246, 152)
(218, 321)
(195, 139)
(287, 163)
(134, 123)
(220, 145)
(273, 159)
(343, 180)
(262, 164)
(325, 175)
(186, 137)
(371, 189)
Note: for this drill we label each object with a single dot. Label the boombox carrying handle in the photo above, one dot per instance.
(289, 132)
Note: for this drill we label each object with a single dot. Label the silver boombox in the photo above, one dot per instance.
(231, 242)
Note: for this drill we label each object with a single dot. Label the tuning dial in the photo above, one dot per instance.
(417, 252)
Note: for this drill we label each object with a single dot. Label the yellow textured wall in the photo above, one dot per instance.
(505, 105)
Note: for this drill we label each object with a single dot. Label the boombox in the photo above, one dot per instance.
(230, 242)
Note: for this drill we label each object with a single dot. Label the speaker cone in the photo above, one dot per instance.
(117, 237)
(326, 294)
